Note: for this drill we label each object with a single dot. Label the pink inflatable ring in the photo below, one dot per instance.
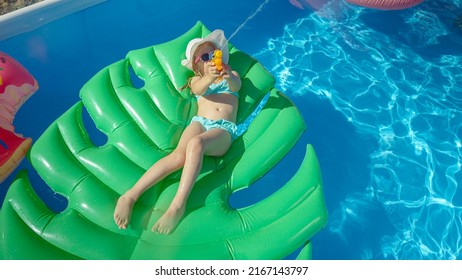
(386, 4)
(16, 86)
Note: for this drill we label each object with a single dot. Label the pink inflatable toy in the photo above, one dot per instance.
(386, 4)
(375, 4)
(16, 86)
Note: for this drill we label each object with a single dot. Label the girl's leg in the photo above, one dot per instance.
(215, 142)
(161, 169)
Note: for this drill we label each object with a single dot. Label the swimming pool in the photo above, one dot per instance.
(379, 91)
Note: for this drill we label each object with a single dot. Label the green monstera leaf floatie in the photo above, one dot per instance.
(142, 125)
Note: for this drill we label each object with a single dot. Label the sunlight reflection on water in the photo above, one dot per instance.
(403, 89)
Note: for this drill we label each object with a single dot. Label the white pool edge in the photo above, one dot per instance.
(39, 14)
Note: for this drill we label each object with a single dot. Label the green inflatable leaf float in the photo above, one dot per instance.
(142, 125)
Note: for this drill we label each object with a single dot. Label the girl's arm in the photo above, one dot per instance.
(232, 77)
(234, 80)
(200, 84)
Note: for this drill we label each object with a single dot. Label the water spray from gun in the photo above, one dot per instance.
(217, 57)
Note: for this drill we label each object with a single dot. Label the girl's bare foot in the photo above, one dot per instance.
(168, 222)
(123, 211)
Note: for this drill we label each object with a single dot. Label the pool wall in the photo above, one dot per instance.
(36, 15)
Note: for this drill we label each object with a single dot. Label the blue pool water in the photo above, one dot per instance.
(380, 91)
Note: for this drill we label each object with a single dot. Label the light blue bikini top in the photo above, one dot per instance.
(219, 88)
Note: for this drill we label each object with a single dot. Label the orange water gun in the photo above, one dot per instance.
(218, 61)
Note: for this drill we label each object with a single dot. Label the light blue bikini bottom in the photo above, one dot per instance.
(221, 123)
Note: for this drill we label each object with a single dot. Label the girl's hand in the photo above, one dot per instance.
(211, 70)
(226, 71)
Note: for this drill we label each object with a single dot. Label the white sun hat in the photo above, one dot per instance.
(217, 37)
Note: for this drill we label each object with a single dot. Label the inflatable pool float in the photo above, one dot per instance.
(142, 124)
(386, 4)
(16, 86)
(374, 4)
(13, 148)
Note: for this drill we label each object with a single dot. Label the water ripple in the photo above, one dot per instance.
(402, 87)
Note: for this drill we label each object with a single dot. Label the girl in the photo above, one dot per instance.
(210, 132)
